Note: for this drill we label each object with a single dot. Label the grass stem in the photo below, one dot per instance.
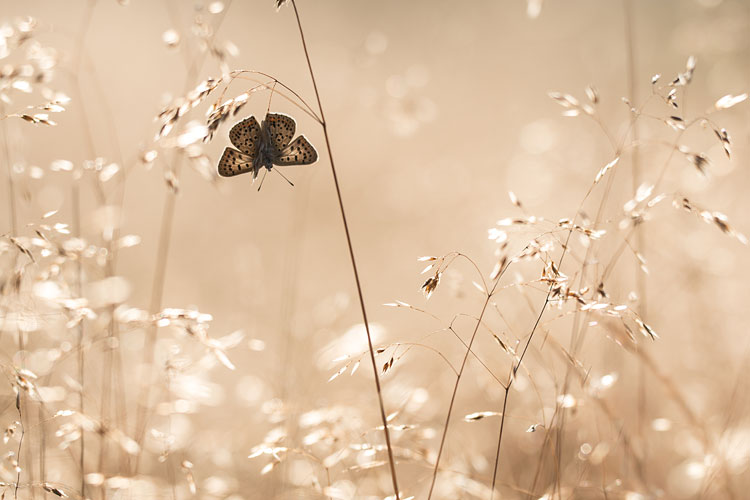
(324, 125)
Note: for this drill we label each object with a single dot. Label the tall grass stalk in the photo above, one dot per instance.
(76, 227)
(640, 277)
(193, 65)
(12, 215)
(324, 125)
(20, 397)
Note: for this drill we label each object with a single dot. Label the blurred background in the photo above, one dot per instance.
(435, 109)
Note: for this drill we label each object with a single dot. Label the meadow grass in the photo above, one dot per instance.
(528, 350)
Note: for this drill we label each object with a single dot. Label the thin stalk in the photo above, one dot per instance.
(458, 380)
(290, 377)
(518, 365)
(157, 293)
(79, 340)
(640, 276)
(162, 253)
(11, 187)
(14, 229)
(20, 400)
(499, 441)
(578, 212)
(76, 199)
(23, 430)
(324, 125)
(578, 332)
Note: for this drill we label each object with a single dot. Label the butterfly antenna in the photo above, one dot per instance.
(262, 179)
(273, 89)
(284, 176)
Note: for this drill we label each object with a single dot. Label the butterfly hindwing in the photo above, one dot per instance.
(234, 162)
(279, 130)
(299, 152)
(246, 136)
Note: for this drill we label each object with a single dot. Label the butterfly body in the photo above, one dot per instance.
(268, 153)
(266, 145)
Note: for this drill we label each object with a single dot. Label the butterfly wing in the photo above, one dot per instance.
(234, 162)
(299, 152)
(279, 130)
(245, 136)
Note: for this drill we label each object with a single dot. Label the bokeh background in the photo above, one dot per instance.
(436, 109)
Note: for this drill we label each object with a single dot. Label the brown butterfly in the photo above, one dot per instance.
(265, 145)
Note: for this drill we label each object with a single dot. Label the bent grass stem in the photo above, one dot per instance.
(324, 125)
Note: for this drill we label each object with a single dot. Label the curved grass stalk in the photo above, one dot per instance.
(324, 125)
(300, 103)
(458, 380)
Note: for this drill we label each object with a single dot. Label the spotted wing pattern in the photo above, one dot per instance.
(234, 162)
(245, 136)
(299, 152)
(279, 130)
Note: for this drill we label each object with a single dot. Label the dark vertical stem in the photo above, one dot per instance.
(499, 441)
(324, 125)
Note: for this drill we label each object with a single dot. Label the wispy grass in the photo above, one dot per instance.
(556, 367)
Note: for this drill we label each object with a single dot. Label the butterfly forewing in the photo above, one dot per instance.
(234, 162)
(299, 152)
(279, 131)
(246, 136)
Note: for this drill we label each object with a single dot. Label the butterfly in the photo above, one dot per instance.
(265, 145)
